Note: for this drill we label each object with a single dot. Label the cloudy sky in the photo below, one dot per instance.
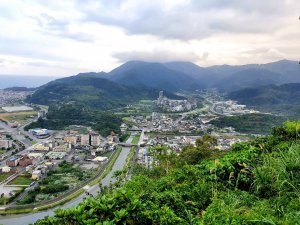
(66, 37)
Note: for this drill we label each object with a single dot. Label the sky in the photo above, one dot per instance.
(61, 38)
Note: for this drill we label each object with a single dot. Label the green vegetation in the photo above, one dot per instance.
(94, 92)
(124, 137)
(23, 179)
(283, 99)
(4, 176)
(65, 177)
(257, 182)
(17, 116)
(135, 139)
(249, 123)
(6, 200)
(61, 116)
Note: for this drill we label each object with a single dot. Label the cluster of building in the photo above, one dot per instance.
(5, 143)
(175, 105)
(224, 143)
(230, 107)
(140, 121)
(10, 97)
(63, 146)
(165, 123)
(33, 162)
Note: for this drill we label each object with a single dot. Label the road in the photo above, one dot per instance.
(24, 219)
(15, 133)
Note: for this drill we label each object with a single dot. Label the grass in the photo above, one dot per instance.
(23, 179)
(4, 176)
(17, 116)
(135, 139)
(106, 154)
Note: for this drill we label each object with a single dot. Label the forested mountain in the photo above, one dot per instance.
(177, 75)
(137, 80)
(251, 77)
(227, 77)
(153, 75)
(283, 99)
(268, 95)
(91, 91)
(144, 77)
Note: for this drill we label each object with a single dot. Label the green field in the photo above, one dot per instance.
(3, 176)
(135, 139)
(23, 179)
(17, 116)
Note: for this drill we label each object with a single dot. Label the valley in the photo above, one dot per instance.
(68, 136)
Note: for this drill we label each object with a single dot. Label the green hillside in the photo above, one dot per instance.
(62, 115)
(283, 99)
(255, 183)
(249, 123)
(94, 92)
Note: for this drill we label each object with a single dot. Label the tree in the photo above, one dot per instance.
(194, 154)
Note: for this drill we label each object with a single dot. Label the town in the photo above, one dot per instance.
(31, 159)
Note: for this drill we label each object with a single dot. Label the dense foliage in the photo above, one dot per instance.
(93, 92)
(255, 183)
(61, 116)
(284, 99)
(249, 123)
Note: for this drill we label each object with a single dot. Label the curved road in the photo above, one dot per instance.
(24, 219)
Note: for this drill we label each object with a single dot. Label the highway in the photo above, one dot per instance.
(24, 219)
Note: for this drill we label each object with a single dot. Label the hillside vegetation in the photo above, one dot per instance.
(249, 123)
(98, 93)
(284, 99)
(62, 115)
(255, 183)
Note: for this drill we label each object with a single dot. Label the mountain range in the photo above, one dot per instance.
(174, 76)
(136, 80)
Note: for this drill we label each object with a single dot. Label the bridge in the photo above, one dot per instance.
(123, 144)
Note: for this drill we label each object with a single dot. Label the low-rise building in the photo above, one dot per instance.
(25, 161)
(5, 169)
(99, 159)
(72, 139)
(123, 128)
(56, 155)
(41, 147)
(112, 138)
(13, 161)
(40, 133)
(63, 148)
(36, 175)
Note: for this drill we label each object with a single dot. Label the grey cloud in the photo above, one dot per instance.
(59, 27)
(196, 20)
(158, 56)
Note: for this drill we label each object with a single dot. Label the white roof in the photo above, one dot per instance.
(99, 159)
(17, 108)
(36, 172)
